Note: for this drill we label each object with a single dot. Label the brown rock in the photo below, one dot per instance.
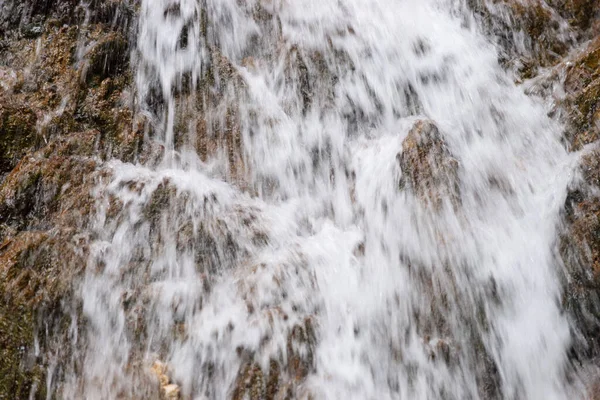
(284, 380)
(428, 168)
(545, 41)
(250, 383)
(582, 103)
(580, 252)
(300, 350)
(581, 14)
(108, 57)
(18, 133)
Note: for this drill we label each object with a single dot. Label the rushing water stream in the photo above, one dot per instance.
(291, 227)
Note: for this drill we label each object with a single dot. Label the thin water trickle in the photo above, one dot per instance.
(353, 194)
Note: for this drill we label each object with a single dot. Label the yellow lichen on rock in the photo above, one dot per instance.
(169, 390)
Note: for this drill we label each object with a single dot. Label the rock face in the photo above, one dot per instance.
(61, 115)
(281, 380)
(428, 168)
(563, 37)
(44, 204)
(537, 34)
(580, 251)
(582, 102)
(66, 106)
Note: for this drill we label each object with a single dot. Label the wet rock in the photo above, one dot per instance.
(168, 389)
(54, 131)
(45, 202)
(217, 125)
(283, 380)
(18, 133)
(581, 14)
(580, 251)
(591, 379)
(49, 83)
(108, 58)
(30, 16)
(438, 349)
(273, 386)
(250, 383)
(105, 107)
(159, 369)
(36, 192)
(36, 272)
(32, 31)
(428, 168)
(300, 350)
(16, 322)
(582, 102)
(530, 34)
(162, 196)
(171, 392)
(542, 27)
(17, 13)
(117, 14)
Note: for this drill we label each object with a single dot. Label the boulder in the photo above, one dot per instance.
(428, 168)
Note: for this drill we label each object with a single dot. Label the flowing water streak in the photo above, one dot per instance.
(399, 299)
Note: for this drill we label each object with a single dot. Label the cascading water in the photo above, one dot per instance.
(354, 201)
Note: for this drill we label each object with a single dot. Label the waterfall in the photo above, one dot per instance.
(352, 200)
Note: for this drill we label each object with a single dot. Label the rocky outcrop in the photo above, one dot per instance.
(64, 107)
(280, 380)
(31, 18)
(582, 101)
(561, 38)
(44, 205)
(428, 168)
(578, 74)
(537, 34)
(580, 251)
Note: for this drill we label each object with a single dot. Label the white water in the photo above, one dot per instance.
(315, 226)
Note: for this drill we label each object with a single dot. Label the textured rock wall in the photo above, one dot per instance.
(67, 105)
(553, 47)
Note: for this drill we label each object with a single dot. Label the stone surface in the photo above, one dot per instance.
(428, 168)
(55, 131)
(62, 114)
(171, 391)
(580, 251)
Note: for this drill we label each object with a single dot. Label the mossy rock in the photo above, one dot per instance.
(582, 102)
(100, 108)
(20, 372)
(16, 14)
(528, 33)
(18, 378)
(533, 17)
(108, 58)
(41, 192)
(17, 130)
(584, 69)
(579, 13)
(579, 248)
(37, 270)
(588, 101)
(115, 13)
